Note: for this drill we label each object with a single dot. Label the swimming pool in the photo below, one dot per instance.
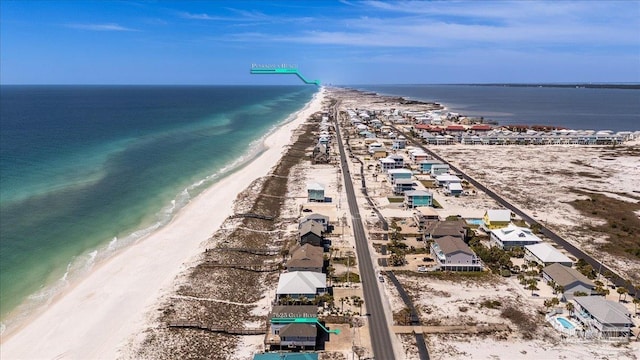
(565, 323)
(477, 222)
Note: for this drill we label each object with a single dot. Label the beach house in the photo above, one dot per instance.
(570, 279)
(306, 258)
(453, 189)
(286, 332)
(452, 254)
(315, 192)
(496, 219)
(387, 164)
(399, 174)
(310, 232)
(545, 254)
(398, 159)
(445, 179)
(399, 143)
(415, 198)
(513, 236)
(602, 319)
(400, 186)
(424, 214)
(425, 165)
(418, 155)
(300, 285)
(439, 169)
(319, 218)
(453, 228)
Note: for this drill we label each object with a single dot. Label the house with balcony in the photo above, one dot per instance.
(439, 169)
(453, 189)
(306, 258)
(400, 186)
(571, 280)
(415, 198)
(398, 159)
(319, 218)
(602, 319)
(424, 215)
(513, 236)
(545, 254)
(286, 332)
(445, 179)
(315, 192)
(452, 254)
(387, 164)
(425, 165)
(310, 232)
(297, 285)
(399, 174)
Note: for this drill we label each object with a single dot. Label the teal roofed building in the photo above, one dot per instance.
(286, 356)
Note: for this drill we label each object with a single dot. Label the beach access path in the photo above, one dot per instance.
(96, 317)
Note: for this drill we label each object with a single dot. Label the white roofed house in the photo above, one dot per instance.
(513, 236)
(496, 219)
(402, 185)
(301, 284)
(545, 254)
(439, 169)
(602, 319)
(398, 159)
(387, 164)
(446, 179)
(453, 189)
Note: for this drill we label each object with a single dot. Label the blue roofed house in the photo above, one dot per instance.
(315, 192)
(415, 198)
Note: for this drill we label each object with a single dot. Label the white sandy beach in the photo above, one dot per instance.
(94, 318)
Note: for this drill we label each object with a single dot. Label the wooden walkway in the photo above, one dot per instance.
(253, 216)
(216, 328)
(249, 267)
(265, 252)
(450, 329)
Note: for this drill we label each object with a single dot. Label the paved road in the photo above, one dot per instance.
(378, 328)
(579, 254)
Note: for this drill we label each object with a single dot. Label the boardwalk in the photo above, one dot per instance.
(216, 328)
(253, 251)
(249, 267)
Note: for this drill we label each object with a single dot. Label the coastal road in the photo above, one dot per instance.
(579, 254)
(378, 327)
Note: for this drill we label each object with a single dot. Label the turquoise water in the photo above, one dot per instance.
(87, 170)
(474, 221)
(565, 323)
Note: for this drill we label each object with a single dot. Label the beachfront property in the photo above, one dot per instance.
(424, 214)
(387, 164)
(513, 236)
(452, 254)
(570, 279)
(310, 232)
(602, 319)
(319, 218)
(453, 228)
(285, 332)
(400, 186)
(545, 254)
(425, 165)
(286, 356)
(496, 219)
(453, 189)
(415, 198)
(298, 285)
(446, 179)
(439, 169)
(398, 159)
(306, 258)
(315, 192)
(399, 174)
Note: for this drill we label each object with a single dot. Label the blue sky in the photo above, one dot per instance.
(341, 42)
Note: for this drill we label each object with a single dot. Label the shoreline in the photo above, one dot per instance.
(95, 316)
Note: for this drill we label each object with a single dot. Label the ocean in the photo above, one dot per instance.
(569, 107)
(88, 170)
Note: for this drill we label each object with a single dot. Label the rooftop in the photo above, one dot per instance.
(308, 256)
(515, 233)
(499, 215)
(301, 282)
(605, 311)
(564, 275)
(547, 253)
(451, 245)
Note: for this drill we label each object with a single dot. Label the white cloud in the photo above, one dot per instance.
(100, 27)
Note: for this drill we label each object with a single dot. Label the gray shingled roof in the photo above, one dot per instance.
(564, 275)
(605, 311)
(446, 228)
(308, 256)
(451, 244)
(306, 330)
(310, 226)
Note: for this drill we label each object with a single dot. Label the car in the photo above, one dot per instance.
(307, 210)
(422, 269)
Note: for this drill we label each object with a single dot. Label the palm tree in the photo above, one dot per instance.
(358, 302)
(303, 300)
(622, 290)
(570, 307)
(636, 301)
(532, 285)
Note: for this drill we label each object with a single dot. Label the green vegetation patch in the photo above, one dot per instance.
(395, 199)
(622, 224)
